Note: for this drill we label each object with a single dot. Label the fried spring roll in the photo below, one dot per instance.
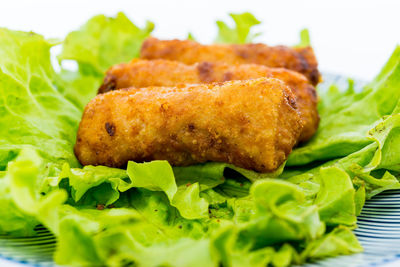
(143, 73)
(252, 124)
(298, 59)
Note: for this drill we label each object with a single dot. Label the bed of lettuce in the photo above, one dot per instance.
(152, 214)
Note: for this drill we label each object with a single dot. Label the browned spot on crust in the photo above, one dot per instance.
(243, 53)
(110, 128)
(205, 70)
(312, 92)
(227, 76)
(164, 107)
(314, 76)
(191, 127)
(109, 84)
(211, 141)
(242, 119)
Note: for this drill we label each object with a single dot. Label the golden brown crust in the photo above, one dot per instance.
(252, 124)
(143, 73)
(189, 52)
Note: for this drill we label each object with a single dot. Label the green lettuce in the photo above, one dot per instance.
(14, 221)
(70, 82)
(241, 32)
(202, 215)
(23, 193)
(304, 39)
(32, 112)
(331, 189)
(190, 36)
(104, 41)
(159, 176)
(385, 134)
(142, 222)
(373, 169)
(347, 118)
(96, 46)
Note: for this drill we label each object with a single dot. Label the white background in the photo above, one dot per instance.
(353, 38)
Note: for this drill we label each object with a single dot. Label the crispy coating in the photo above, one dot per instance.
(143, 73)
(298, 59)
(252, 124)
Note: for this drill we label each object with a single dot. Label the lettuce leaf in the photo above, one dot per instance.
(32, 111)
(104, 41)
(89, 229)
(90, 185)
(344, 126)
(190, 36)
(341, 241)
(291, 218)
(143, 222)
(22, 193)
(94, 185)
(280, 215)
(77, 87)
(159, 176)
(386, 135)
(304, 39)
(96, 46)
(13, 221)
(373, 169)
(336, 197)
(241, 32)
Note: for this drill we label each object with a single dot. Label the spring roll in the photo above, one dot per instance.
(189, 52)
(143, 73)
(253, 124)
